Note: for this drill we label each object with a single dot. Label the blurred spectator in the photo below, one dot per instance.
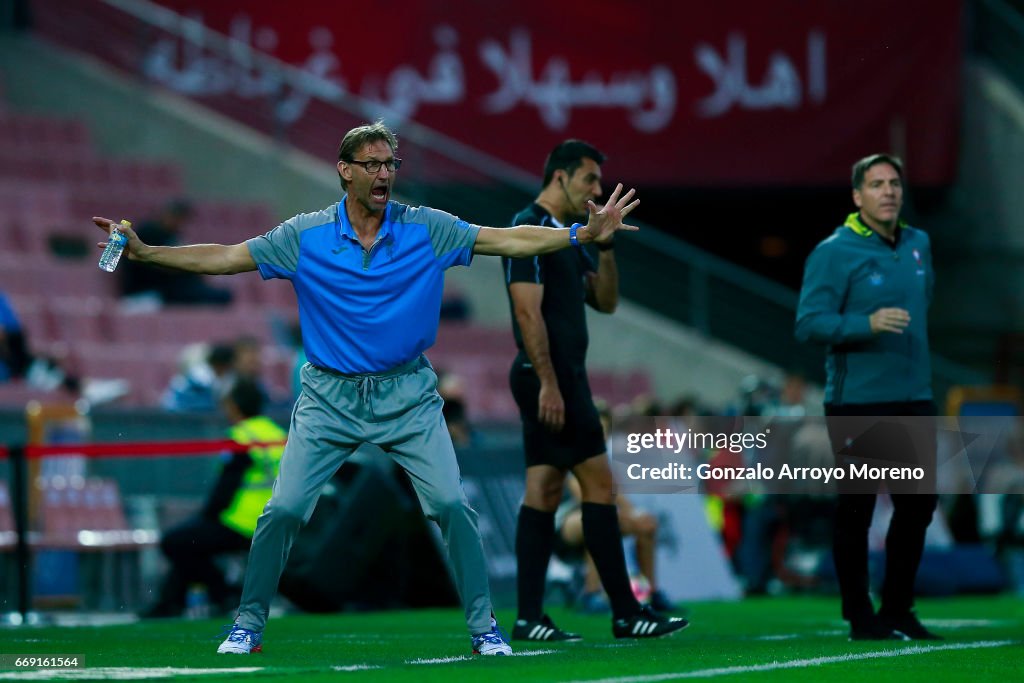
(299, 360)
(637, 524)
(790, 400)
(643, 405)
(451, 389)
(772, 525)
(168, 286)
(454, 304)
(228, 519)
(17, 362)
(684, 406)
(756, 396)
(14, 355)
(205, 374)
(248, 361)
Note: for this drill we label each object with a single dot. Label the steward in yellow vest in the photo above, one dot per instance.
(258, 478)
(228, 519)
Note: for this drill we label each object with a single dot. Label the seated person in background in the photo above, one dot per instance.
(169, 286)
(14, 355)
(451, 388)
(202, 381)
(454, 304)
(17, 362)
(300, 359)
(228, 519)
(641, 526)
(248, 363)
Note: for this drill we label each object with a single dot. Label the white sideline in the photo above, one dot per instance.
(118, 673)
(471, 658)
(800, 663)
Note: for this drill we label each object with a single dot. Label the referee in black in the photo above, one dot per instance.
(561, 428)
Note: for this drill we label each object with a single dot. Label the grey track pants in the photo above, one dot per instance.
(400, 411)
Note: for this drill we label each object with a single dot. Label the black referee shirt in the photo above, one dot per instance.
(563, 275)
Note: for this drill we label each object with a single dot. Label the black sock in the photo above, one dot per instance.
(604, 541)
(535, 536)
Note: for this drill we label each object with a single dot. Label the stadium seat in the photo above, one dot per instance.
(80, 319)
(17, 394)
(87, 516)
(147, 367)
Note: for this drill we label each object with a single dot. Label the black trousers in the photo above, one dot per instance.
(191, 549)
(910, 443)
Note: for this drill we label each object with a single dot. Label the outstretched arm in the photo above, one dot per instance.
(208, 259)
(532, 240)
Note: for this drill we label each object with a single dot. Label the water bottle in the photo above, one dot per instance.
(115, 247)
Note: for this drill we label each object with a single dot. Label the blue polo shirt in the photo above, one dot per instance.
(366, 310)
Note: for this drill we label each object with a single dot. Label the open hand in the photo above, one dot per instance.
(606, 221)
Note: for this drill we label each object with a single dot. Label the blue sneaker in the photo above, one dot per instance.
(492, 642)
(241, 641)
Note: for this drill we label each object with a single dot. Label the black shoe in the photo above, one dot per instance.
(542, 630)
(873, 628)
(909, 626)
(647, 624)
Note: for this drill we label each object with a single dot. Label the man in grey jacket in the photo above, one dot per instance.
(865, 296)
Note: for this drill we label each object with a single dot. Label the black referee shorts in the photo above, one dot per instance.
(582, 436)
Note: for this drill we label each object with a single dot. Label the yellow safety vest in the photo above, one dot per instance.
(258, 481)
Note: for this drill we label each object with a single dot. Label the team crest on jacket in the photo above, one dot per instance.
(876, 278)
(917, 257)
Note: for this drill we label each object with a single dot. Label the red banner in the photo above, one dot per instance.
(726, 93)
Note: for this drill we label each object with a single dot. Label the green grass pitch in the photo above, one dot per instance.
(774, 639)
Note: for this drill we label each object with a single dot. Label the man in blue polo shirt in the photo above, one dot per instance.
(368, 274)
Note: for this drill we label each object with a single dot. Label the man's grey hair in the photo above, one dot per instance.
(357, 138)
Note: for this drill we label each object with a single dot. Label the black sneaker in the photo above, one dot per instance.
(648, 624)
(542, 630)
(873, 628)
(909, 626)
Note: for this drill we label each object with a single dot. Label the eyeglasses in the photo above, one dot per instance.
(373, 166)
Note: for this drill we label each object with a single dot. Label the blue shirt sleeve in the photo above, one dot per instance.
(277, 252)
(451, 237)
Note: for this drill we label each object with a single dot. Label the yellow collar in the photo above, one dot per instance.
(854, 222)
